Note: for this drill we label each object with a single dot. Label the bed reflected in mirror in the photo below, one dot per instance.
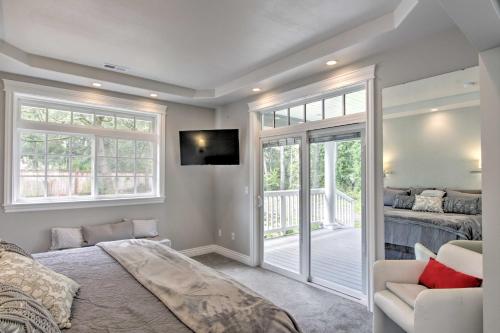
(432, 163)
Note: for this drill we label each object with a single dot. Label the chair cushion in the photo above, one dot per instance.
(399, 312)
(461, 259)
(438, 275)
(407, 292)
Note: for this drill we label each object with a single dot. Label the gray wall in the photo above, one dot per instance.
(189, 191)
(437, 149)
(437, 54)
(490, 113)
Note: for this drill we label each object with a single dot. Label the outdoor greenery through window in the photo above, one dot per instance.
(70, 153)
(331, 107)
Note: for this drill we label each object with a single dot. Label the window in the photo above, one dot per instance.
(351, 102)
(69, 153)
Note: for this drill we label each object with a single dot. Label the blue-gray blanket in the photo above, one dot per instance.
(404, 227)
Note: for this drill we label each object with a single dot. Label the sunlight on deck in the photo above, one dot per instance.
(336, 255)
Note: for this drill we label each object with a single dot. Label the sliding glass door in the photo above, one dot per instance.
(336, 211)
(312, 212)
(281, 203)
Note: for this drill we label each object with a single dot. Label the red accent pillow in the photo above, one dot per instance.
(439, 276)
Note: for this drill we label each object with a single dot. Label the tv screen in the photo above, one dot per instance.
(216, 147)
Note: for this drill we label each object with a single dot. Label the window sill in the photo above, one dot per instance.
(32, 207)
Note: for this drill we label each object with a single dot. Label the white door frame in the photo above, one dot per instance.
(364, 76)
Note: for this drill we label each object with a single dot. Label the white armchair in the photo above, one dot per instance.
(401, 305)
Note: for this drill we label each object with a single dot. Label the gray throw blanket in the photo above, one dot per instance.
(203, 299)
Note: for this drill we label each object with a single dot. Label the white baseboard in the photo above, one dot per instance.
(214, 248)
(198, 251)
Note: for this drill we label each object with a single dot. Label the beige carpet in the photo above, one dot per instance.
(314, 310)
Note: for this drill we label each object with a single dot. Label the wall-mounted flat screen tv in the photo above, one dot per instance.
(215, 147)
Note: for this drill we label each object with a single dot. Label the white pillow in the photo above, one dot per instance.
(433, 193)
(428, 204)
(66, 238)
(145, 228)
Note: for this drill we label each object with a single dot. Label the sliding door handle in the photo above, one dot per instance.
(259, 201)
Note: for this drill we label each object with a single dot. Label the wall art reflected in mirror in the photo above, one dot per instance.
(432, 163)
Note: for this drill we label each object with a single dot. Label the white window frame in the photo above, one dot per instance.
(16, 91)
(314, 91)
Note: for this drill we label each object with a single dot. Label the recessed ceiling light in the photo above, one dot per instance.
(153, 95)
(96, 84)
(256, 89)
(331, 62)
(434, 109)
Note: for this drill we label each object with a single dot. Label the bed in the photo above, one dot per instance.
(111, 299)
(405, 227)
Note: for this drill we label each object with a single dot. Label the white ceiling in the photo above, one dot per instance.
(450, 91)
(201, 52)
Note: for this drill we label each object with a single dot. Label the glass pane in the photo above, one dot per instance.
(58, 144)
(81, 145)
(125, 167)
(125, 185)
(32, 143)
(281, 118)
(126, 148)
(125, 123)
(32, 165)
(106, 185)
(81, 166)
(267, 120)
(144, 184)
(355, 102)
(59, 116)
(144, 167)
(282, 205)
(57, 186)
(32, 187)
(57, 166)
(106, 166)
(335, 213)
(334, 107)
(297, 114)
(33, 113)
(314, 111)
(81, 186)
(83, 119)
(105, 121)
(144, 149)
(143, 125)
(106, 147)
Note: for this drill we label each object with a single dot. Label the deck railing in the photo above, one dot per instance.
(281, 209)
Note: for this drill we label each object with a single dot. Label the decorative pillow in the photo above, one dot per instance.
(53, 290)
(439, 276)
(94, 234)
(433, 193)
(404, 201)
(390, 195)
(428, 204)
(10, 247)
(459, 194)
(145, 228)
(469, 206)
(419, 190)
(66, 238)
(21, 313)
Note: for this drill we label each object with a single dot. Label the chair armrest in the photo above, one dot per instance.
(449, 311)
(423, 253)
(400, 271)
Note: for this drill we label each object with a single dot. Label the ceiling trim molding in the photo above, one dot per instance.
(316, 53)
(80, 98)
(316, 89)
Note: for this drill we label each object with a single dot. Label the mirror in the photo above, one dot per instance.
(432, 163)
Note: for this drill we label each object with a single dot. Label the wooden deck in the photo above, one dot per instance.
(335, 255)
